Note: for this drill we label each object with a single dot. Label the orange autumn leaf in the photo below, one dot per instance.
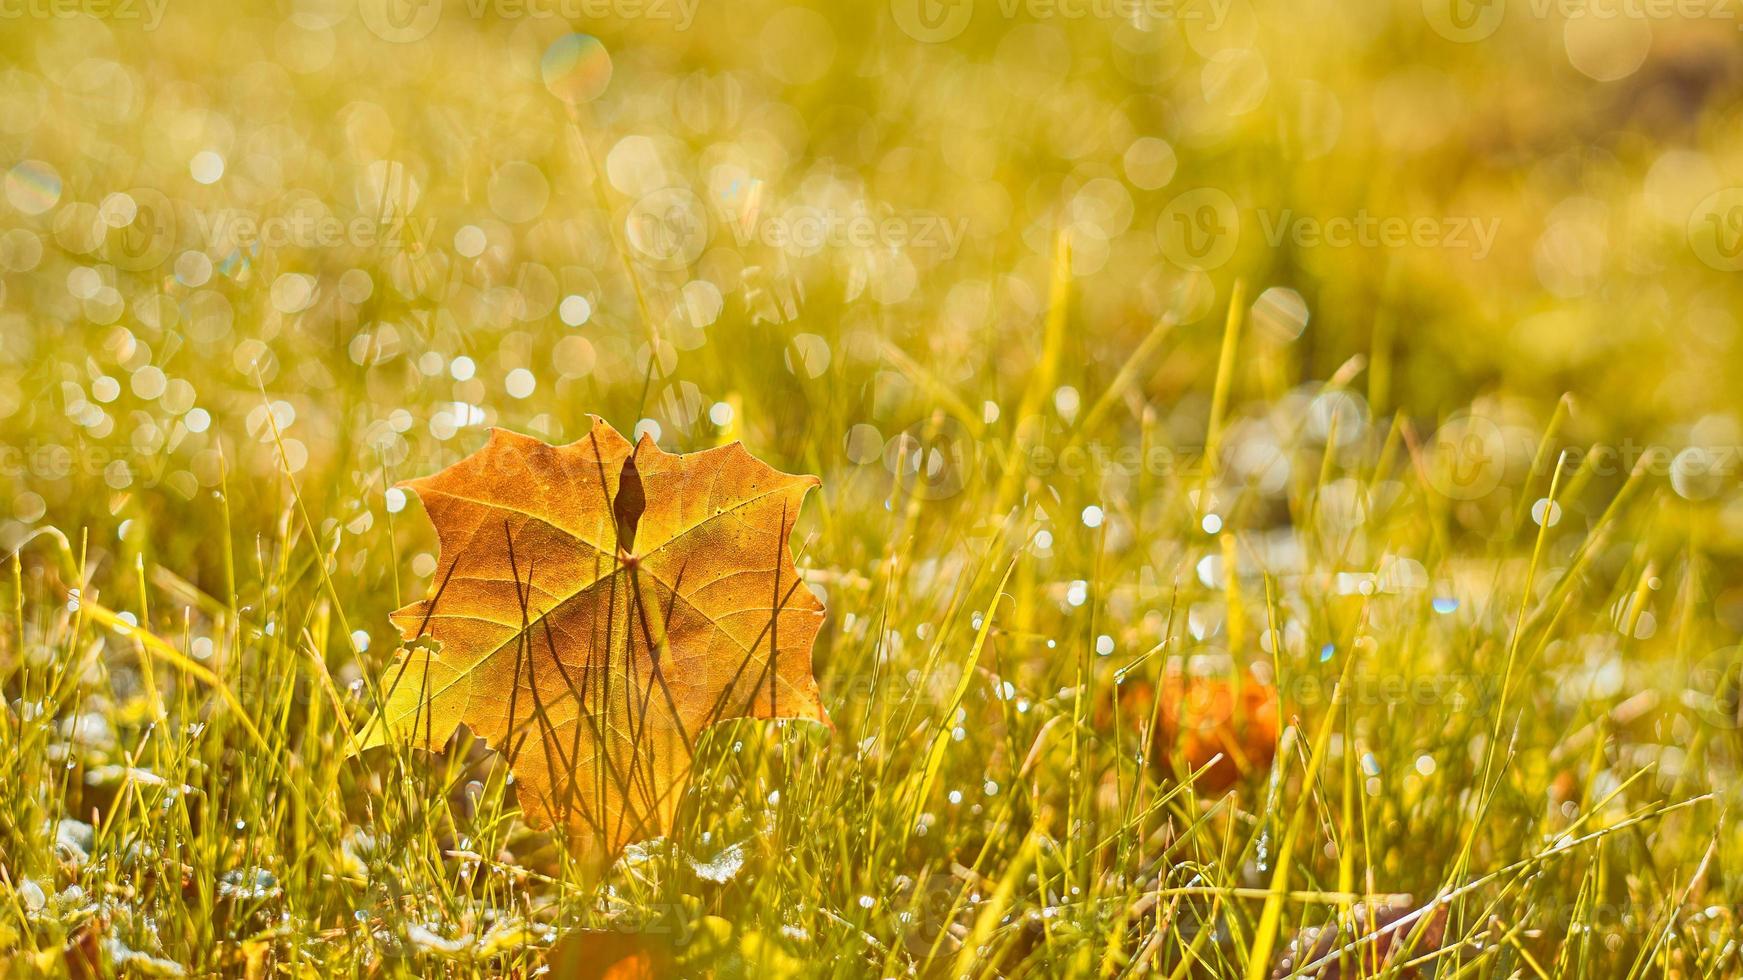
(595, 607)
(1228, 724)
(607, 955)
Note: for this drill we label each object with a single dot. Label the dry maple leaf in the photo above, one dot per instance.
(596, 606)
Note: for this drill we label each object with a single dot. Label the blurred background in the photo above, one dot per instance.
(1248, 335)
(377, 227)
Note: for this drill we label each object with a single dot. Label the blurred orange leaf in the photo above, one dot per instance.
(1227, 723)
(605, 955)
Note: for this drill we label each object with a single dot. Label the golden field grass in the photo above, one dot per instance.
(1279, 513)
